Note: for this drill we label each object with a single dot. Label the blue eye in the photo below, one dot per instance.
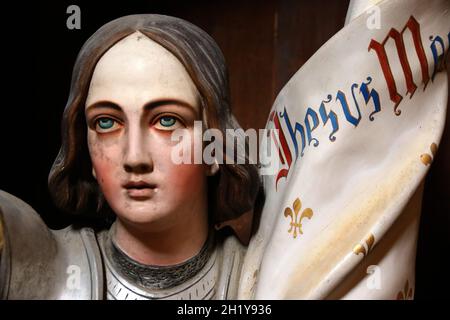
(105, 123)
(167, 121)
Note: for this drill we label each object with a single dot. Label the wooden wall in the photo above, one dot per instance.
(265, 43)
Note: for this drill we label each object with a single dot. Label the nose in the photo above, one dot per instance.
(137, 157)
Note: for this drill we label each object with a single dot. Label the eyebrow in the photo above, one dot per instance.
(163, 102)
(148, 106)
(104, 105)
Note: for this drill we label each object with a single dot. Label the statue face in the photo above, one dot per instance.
(139, 94)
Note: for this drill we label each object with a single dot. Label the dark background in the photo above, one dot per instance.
(264, 44)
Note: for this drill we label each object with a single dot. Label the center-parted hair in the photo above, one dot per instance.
(232, 192)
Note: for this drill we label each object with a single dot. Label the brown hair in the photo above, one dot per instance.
(232, 192)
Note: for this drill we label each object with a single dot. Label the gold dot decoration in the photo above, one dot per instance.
(365, 248)
(427, 158)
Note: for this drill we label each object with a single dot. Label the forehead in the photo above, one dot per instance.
(136, 71)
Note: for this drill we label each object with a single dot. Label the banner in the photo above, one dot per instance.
(358, 126)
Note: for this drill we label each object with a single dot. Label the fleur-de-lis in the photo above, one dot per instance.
(360, 248)
(406, 294)
(426, 158)
(296, 221)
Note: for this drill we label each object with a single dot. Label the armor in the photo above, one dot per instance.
(37, 263)
(77, 263)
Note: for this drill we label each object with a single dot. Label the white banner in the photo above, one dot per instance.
(358, 125)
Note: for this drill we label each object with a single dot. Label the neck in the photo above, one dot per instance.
(170, 246)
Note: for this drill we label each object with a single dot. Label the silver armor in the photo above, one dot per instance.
(39, 263)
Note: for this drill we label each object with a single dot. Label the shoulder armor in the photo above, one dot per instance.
(39, 263)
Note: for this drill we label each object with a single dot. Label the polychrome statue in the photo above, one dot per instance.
(135, 81)
(355, 132)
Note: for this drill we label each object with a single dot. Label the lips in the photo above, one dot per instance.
(139, 190)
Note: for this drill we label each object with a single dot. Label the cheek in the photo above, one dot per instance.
(187, 177)
(181, 179)
(104, 161)
(102, 170)
(185, 185)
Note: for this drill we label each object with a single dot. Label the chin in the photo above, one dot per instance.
(144, 218)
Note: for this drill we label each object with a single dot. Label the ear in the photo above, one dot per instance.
(212, 169)
(93, 173)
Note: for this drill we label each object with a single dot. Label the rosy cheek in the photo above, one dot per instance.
(101, 169)
(186, 179)
(105, 169)
(182, 179)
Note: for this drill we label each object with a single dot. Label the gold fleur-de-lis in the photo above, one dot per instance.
(406, 294)
(360, 248)
(296, 221)
(426, 158)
